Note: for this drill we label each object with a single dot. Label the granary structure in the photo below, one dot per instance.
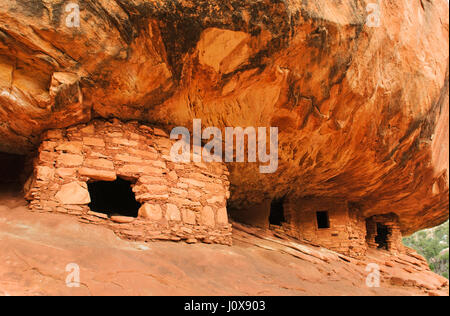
(121, 175)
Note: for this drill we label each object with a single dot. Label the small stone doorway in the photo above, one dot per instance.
(114, 198)
(383, 232)
(277, 217)
(381, 238)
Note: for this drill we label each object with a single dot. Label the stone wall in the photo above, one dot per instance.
(346, 232)
(180, 201)
(394, 237)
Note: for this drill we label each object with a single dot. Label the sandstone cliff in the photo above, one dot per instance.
(362, 111)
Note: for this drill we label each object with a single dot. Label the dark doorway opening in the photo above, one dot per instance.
(277, 212)
(323, 220)
(382, 236)
(12, 172)
(113, 198)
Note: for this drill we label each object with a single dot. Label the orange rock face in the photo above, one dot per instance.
(362, 111)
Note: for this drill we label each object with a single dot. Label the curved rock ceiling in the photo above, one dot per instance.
(362, 111)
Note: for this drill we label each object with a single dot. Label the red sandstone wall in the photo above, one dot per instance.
(180, 201)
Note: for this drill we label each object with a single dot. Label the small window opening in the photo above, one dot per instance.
(323, 220)
(113, 198)
(277, 212)
(382, 236)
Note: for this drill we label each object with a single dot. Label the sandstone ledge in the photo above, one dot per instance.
(110, 266)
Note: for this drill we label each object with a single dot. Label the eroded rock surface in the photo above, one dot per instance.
(258, 264)
(362, 111)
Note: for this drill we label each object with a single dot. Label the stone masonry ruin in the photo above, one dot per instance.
(328, 222)
(120, 175)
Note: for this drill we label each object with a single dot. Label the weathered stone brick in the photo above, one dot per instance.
(71, 147)
(73, 193)
(44, 173)
(183, 201)
(88, 130)
(122, 219)
(216, 199)
(172, 213)
(189, 217)
(92, 141)
(207, 216)
(194, 193)
(157, 163)
(150, 153)
(48, 146)
(136, 169)
(99, 163)
(128, 158)
(47, 157)
(70, 160)
(159, 132)
(115, 134)
(151, 180)
(52, 134)
(214, 188)
(173, 176)
(222, 216)
(193, 182)
(125, 142)
(65, 172)
(96, 174)
(179, 192)
(99, 215)
(182, 185)
(150, 196)
(156, 188)
(152, 212)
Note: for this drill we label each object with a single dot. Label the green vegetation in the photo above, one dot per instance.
(433, 245)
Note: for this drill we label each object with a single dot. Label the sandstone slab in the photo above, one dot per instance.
(96, 174)
(73, 193)
(152, 212)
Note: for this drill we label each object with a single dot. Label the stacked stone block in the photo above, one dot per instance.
(180, 201)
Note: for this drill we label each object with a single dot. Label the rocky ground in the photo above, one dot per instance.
(35, 250)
